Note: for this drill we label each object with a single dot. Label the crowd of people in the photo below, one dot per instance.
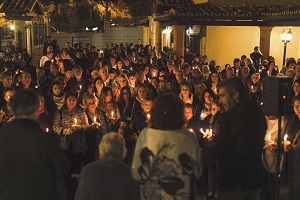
(85, 93)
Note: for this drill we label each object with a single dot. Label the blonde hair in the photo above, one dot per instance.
(112, 147)
(87, 96)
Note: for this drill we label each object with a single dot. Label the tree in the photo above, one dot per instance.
(139, 9)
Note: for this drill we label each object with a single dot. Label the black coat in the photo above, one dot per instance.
(30, 162)
(239, 147)
(107, 179)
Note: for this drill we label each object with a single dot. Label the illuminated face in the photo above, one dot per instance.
(91, 104)
(108, 96)
(208, 98)
(56, 89)
(8, 95)
(296, 88)
(188, 113)
(122, 82)
(162, 85)
(214, 78)
(99, 84)
(69, 74)
(142, 92)
(78, 73)
(215, 109)
(185, 90)
(255, 79)
(7, 81)
(297, 107)
(26, 79)
(226, 99)
(147, 106)
(71, 102)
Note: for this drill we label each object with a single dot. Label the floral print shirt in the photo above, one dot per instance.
(167, 164)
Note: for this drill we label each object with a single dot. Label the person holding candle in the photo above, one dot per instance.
(109, 106)
(211, 122)
(291, 144)
(140, 120)
(142, 93)
(167, 157)
(213, 80)
(187, 96)
(99, 84)
(87, 86)
(74, 83)
(98, 126)
(239, 145)
(122, 81)
(205, 108)
(69, 123)
(126, 102)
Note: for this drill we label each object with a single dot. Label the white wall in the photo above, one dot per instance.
(113, 35)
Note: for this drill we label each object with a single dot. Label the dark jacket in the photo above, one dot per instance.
(239, 147)
(30, 162)
(107, 179)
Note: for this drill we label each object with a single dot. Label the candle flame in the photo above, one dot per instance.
(80, 86)
(95, 118)
(75, 121)
(269, 137)
(191, 130)
(47, 130)
(285, 137)
(148, 116)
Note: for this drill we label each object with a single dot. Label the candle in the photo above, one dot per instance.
(112, 115)
(95, 119)
(204, 133)
(269, 137)
(191, 130)
(148, 116)
(80, 86)
(75, 121)
(285, 140)
(52, 60)
(47, 130)
(268, 73)
(259, 70)
(251, 88)
(237, 72)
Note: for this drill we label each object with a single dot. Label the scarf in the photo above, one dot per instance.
(59, 101)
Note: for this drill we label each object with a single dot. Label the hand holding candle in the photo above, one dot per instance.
(75, 125)
(286, 143)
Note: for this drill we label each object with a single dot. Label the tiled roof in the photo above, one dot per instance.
(173, 3)
(16, 6)
(209, 10)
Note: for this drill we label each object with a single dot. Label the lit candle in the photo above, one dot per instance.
(205, 134)
(259, 70)
(237, 72)
(285, 140)
(148, 117)
(95, 119)
(269, 137)
(75, 121)
(251, 88)
(202, 115)
(112, 115)
(268, 73)
(80, 86)
(47, 130)
(191, 130)
(52, 60)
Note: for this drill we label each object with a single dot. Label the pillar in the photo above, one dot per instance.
(203, 41)
(179, 34)
(157, 36)
(265, 38)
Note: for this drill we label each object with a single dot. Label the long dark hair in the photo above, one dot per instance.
(167, 112)
(121, 98)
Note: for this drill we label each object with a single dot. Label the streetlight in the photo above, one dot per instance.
(286, 38)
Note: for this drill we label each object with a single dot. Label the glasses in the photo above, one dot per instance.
(92, 103)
